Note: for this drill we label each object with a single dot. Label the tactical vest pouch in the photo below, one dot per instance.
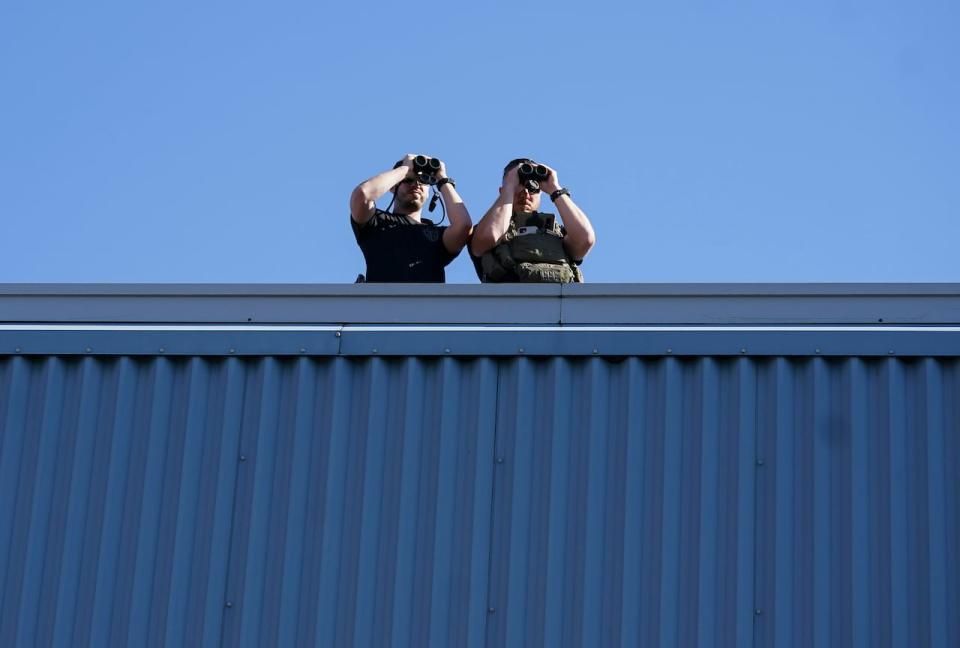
(545, 273)
(538, 248)
(493, 270)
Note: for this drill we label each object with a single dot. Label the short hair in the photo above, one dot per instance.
(398, 164)
(515, 162)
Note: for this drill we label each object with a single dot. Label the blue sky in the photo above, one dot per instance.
(219, 142)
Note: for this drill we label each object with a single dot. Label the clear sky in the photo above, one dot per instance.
(707, 141)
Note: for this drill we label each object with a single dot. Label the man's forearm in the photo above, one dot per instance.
(492, 226)
(381, 183)
(364, 198)
(580, 235)
(456, 235)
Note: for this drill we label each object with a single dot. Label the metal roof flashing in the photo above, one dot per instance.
(610, 304)
(511, 319)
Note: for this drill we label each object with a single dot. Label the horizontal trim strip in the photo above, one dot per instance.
(472, 329)
(482, 341)
(161, 327)
(642, 329)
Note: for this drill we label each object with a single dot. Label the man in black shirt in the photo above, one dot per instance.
(402, 245)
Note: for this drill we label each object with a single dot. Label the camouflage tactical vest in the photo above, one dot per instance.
(531, 252)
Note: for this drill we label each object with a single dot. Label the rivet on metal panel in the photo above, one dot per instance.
(233, 351)
(818, 350)
(520, 350)
(743, 350)
(759, 462)
(758, 611)
(18, 349)
(88, 350)
(243, 457)
(337, 333)
(499, 459)
(890, 351)
(491, 610)
(446, 350)
(162, 350)
(229, 604)
(669, 350)
(303, 350)
(375, 351)
(595, 352)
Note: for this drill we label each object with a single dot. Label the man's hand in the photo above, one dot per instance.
(407, 161)
(511, 182)
(442, 172)
(551, 184)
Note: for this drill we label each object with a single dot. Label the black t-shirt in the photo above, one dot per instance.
(399, 250)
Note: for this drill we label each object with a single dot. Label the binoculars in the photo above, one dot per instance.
(531, 175)
(425, 169)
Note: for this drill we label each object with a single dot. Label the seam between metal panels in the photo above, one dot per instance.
(224, 594)
(488, 604)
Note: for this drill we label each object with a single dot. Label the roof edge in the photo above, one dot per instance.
(615, 304)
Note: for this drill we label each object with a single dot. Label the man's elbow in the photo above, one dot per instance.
(461, 230)
(361, 196)
(579, 248)
(455, 238)
(359, 203)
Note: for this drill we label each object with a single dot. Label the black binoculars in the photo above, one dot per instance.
(531, 175)
(425, 169)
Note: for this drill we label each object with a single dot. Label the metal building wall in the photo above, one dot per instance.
(517, 501)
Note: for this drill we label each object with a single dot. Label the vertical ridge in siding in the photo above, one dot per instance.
(936, 511)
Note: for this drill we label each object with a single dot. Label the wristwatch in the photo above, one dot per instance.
(443, 181)
(559, 192)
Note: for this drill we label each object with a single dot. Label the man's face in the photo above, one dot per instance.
(411, 195)
(526, 201)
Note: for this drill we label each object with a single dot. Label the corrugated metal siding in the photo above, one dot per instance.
(859, 502)
(624, 515)
(510, 502)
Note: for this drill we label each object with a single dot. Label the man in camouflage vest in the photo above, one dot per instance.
(514, 242)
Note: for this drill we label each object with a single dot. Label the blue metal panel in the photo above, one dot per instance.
(564, 501)
(623, 506)
(112, 461)
(856, 512)
(363, 502)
